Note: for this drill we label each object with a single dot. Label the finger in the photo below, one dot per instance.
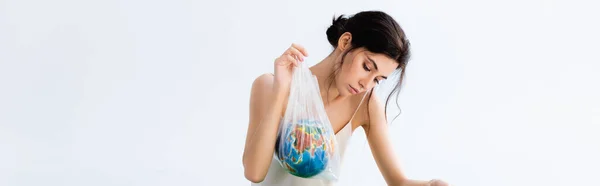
(294, 57)
(281, 60)
(291, 60)
(297, 54)
(300, 48)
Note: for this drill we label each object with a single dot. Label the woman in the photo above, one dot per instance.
(369, 46)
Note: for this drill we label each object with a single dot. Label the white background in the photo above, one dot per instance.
(152, 93)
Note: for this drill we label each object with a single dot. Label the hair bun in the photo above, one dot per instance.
(336, 29)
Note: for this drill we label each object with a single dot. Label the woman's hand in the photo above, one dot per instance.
(436, 182)
(285, 64)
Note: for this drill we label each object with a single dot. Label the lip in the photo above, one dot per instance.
(353, 90)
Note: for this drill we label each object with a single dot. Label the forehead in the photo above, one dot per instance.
(386, 64)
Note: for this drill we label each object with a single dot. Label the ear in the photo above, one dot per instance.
(345, 41)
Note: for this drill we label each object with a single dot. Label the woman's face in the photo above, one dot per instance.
(362, 70)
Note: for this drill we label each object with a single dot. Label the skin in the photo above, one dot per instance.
(361, 70)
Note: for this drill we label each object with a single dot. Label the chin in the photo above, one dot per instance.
(343, 91)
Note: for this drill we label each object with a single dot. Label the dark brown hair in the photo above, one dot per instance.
(377, 32)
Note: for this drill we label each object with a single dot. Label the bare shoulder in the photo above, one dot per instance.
(262, 93)
(263, 82)
(261, 89)
(259, 96)
(371, 101)
(362, 114)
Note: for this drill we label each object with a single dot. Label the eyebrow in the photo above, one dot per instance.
(375, 65)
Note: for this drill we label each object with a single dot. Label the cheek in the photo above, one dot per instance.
(350, 72)
(358, 71)
(351, 69)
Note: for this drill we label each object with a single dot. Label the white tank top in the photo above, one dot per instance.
(277, 176)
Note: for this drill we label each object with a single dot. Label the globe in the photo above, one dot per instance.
(305, 148)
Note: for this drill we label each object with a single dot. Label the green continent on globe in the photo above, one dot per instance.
(305, 148)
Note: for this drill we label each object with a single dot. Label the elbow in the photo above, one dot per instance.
(253, 176)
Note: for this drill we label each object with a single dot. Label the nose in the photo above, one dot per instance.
(370, 82)
(362, 86)
(365, 86)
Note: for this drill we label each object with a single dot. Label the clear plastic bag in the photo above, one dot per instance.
(306, 145)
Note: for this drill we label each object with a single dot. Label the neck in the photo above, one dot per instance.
(324, 70)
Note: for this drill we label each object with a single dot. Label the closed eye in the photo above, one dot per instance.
(369, 70)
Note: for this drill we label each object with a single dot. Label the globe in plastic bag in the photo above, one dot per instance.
(305, 151)
(306, 143)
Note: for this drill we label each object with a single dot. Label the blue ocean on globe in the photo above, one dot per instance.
(305, 150)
